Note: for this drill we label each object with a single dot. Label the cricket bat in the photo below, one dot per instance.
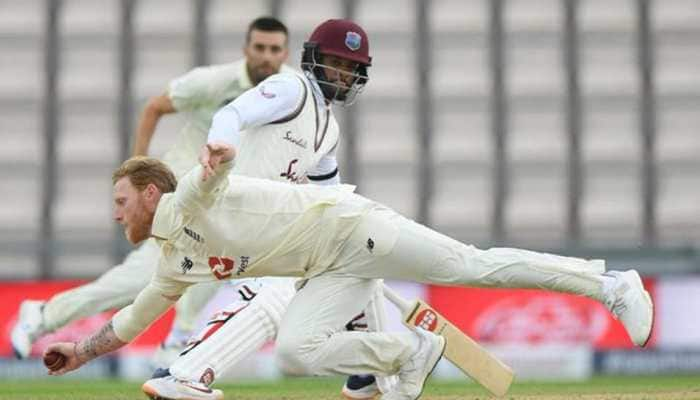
(461, 350)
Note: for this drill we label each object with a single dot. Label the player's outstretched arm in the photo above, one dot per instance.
(155, 108)
(77, 354)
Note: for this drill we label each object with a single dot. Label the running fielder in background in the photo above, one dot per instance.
(197, 95)
(339, 243)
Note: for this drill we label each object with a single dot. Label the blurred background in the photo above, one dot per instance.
(557, 125)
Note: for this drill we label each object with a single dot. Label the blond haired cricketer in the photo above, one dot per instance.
(336, 240)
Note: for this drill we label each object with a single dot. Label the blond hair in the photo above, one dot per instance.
(143, 171)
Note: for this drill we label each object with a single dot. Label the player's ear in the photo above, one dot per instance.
(151, 191)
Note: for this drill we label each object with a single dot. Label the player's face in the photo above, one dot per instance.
(265, 52)
(132, 210)
(338, 70)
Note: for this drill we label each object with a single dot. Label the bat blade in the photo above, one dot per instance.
(465, 353)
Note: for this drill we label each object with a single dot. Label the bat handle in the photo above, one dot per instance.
(400, 303)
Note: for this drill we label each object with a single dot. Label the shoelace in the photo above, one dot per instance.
(615, 302)
(619, 308)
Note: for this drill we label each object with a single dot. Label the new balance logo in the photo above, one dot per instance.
(186, 265)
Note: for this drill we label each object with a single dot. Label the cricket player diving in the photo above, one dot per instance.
(229, 226)
(196, 96)
(285, 130)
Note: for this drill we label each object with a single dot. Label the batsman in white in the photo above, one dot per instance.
(339, 243)
(197, 96)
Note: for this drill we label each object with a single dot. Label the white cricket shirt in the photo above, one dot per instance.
(197, 96)
(233, 227)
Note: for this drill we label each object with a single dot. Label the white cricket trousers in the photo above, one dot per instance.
(311, 340)
(118, 288)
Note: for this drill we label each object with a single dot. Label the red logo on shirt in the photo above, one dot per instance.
(221, 267)
(267, 95)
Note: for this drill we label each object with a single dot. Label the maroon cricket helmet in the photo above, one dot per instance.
(342, 38)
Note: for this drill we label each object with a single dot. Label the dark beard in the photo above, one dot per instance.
(256, 77)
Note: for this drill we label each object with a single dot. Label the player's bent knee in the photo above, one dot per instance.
(298, 354)
(290, 359)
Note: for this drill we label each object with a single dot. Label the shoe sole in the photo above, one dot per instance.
(153, 394)
(366, 392)
(647, 298)
(437, 360)
(653, 318)
(349, 397)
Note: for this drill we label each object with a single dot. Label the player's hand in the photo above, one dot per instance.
(213, 154)
(68, 350)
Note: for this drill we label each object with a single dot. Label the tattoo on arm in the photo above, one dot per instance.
(102, 342)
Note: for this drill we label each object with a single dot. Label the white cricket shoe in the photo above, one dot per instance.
(629, 302)
(415, 371)
(28, 328)
(172, 388)
(360, 387)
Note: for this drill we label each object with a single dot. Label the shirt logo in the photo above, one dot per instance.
(221, 267)
(370, 244)
(353, 40)
(290, 174)
(194, 235)
(267, 95)
(297, 141)
(186, 265)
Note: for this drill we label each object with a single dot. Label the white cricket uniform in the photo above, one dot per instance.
(197, 95)
(234, 226)
(287, 132)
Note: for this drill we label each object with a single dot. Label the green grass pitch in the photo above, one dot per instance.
(614, 388)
